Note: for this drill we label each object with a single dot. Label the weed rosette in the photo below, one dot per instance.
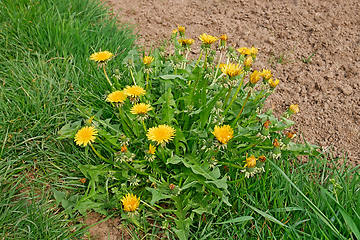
(174, 133)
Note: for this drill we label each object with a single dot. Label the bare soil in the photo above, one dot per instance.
(326, 88)
(287, 33)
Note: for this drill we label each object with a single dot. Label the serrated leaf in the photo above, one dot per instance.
(69, 130)
(174, 160)
(156, 195)
(220, 183)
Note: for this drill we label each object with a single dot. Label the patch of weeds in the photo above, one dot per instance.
(282, 58)
(308, 60)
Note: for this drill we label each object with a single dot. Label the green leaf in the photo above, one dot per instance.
(174, 160)
(221, 183)
(66, 204)
(69, 130)
(156, 195)
(93, 172)
(83, 206)
(183, 232)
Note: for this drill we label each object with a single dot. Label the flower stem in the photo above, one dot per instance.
(235, 95)
(227, 96)
(238, 116)
(147, 81)
(107, 78)
(217, 68)
(123, 122)
(232, 165)
(135, 170)
(99, 155)
(205, 61)
(163, 153)
(201, 52)
(132, 76)
(144, 126)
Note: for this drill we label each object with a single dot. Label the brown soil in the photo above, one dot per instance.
(327, 88)
(109, 229)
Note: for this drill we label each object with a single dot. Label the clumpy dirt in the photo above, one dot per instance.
(109, 229)
(327, 88)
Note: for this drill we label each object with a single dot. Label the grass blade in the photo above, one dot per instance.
(317, 211)
(349, 221)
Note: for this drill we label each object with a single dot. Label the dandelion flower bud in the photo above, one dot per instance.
(288, 137)
(248, 62)
(266, 128)
(181, 30)
(253, 52)
(223, 40)
(276, 144)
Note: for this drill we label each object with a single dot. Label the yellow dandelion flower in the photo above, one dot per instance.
(224, 37)
(117, 97)
(140, 108)
(207, 39)
(248, 61)
(152, 149)
(244, 51)
(161, 134)
(223, 134)
(174, 31)
(147, 60)
(134, 91)
(130, 202)
(266, 74)
(255, 77)
(186, 41)
(250, 162)
(253, 51)
(294, 108)
(221, 65)
(231, 69)
(272, 83)
(181, 29)
(101, 56)
(85, 136)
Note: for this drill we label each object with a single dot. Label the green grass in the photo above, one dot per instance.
(45, 72)
(46, 75)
